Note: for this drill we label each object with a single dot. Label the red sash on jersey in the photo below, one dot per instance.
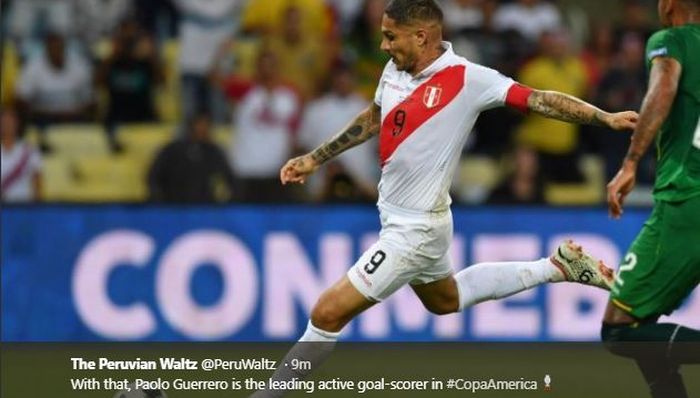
(424, 103)
(19, 169)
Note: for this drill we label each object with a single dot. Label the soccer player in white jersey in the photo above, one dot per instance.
(426, 104)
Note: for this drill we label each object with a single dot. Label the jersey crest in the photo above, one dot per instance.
(431, 97)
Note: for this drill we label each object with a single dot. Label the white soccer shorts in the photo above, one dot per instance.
(412, 248)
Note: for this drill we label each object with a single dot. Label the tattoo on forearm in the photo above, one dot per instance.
(337, 144)
(361, 129)
(564, 107)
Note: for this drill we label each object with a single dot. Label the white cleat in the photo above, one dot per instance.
(579, 267)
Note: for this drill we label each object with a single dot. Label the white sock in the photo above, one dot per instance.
(315, 346)
(314, 334)
(491, 281)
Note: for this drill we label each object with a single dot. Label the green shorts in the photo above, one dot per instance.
(662, 267)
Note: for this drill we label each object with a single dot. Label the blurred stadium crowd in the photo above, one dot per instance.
(193, 101)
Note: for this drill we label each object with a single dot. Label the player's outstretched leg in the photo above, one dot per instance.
(335, 308)
(492, 281)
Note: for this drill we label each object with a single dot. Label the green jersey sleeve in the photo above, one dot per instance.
(664, 44)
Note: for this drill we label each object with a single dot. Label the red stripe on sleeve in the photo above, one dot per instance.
(517, 97)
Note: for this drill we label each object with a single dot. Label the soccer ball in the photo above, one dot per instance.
(134, 393)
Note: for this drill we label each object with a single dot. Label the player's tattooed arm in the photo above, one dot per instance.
(564, 107)
(663, 86)
(364, 127)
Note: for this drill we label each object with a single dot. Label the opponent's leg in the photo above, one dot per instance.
(333, 310)
(620, 328)
(659, 356)
(661, 268)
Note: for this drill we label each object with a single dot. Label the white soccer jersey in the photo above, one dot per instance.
(426, 120)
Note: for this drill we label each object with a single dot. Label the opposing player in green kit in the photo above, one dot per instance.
(662, 267)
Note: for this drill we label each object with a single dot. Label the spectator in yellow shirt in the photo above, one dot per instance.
(302, 60)
(9, 75)
(555, 68)
(266, 16)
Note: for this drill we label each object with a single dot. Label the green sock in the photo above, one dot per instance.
(663, 379)
(658, 349)
(681, 345)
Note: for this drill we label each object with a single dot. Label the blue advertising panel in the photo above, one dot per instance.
(250, 273)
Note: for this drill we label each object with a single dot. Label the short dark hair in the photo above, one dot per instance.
(405, 12)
